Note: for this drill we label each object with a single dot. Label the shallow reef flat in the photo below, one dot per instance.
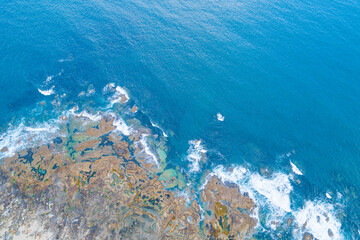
(100, 180)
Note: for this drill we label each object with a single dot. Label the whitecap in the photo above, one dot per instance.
(147, 148)
(220, 117)
(276, 189)
(196, 153)
(20, 137)
(108, 87)
(295, 169)
(123, 92)
(49, 78)
(328, 195)
(93, 117)
(319, 219)
(36, 129)
(157, 126)
(339, 195)
(234, 175)
(272, 194)
(120, 96)
(47, 92)
(240, 176)
(121, 126)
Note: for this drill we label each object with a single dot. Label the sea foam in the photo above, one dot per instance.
(108, 87)
(196, 153)
(22, 136)
(295, 169)
(318, 218)
(276, 189)
(157, 126)
(120, 96)
(121, 126)
(220, 117)
(274, 195)
(147, 149)
(47, 92)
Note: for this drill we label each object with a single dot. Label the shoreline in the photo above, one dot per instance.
(95, 167)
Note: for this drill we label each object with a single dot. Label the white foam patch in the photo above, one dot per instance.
(318, 218)
(22, 136)
(220, 117)
(157, 126)
(120, 96)
(93, 117)
(119, 123)
(196, 153)
(240, 176)
(108, 87)
(295, 169)
(49, 78)
(272, 194)
(122, 92)
(147, 148)
(36, 129)
(121, 126)
(47, 92)
(328, 195)
(339, 195)
(276, 189)
(235, 175)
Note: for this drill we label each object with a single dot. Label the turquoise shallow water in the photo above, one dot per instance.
(284, 74)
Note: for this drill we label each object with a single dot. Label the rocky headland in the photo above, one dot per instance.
(95, 182)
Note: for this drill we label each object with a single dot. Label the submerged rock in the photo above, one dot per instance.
(4, 149)
(330, 233)
(308, 236)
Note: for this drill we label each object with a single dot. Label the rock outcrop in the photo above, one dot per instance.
(95, 183)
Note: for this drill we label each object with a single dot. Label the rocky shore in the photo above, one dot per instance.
(95, 182)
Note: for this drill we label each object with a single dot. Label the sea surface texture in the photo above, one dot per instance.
(256, 99)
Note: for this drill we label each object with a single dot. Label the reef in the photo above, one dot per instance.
(94, 181)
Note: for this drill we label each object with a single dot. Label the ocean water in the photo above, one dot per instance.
(285, 75)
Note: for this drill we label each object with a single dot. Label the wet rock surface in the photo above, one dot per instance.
(96, 183)
(227, 212)
(308, 236)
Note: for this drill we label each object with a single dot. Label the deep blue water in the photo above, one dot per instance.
(285, 74)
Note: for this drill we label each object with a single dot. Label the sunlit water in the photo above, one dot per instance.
(283, 75)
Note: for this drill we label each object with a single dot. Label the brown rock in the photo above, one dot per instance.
(134, 109)
(84, 145)
(92, 185)
(4, 149)
(289, 221)
(225, 202)
(308, 236)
